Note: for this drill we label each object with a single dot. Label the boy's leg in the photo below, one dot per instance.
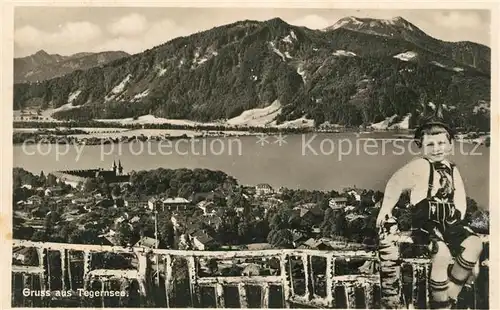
(438, 281)
(464, 263)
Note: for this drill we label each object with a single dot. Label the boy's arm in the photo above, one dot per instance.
(460, 198)
(400, 181)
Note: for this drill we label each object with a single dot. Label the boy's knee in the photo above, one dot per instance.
(442, 254)
(473, 244)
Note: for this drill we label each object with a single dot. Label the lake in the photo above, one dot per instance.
(325, 161)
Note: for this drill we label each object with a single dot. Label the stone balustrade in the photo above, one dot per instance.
(175, 278)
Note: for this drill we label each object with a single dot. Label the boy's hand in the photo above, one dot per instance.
(381, 219)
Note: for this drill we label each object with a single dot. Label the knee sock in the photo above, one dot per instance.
(459, 273)
(439, 290)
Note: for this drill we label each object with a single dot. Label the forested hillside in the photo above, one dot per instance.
(342, 75)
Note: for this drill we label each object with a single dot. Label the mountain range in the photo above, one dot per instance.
(44, 66)
(356, 72)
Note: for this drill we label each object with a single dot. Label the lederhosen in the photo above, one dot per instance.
(435, 218)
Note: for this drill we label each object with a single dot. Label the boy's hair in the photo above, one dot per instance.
(433, 128)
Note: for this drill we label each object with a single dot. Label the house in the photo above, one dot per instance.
(337, 203)
(256, 246)
(212, 220)
(119, 220)
(135, 219)
(208, 207)
(355, 194)
(263, 189)
(147, 242)
(105, 203)
(175, 204)
(208, 196)
(298, 238)
(154, 203)
(135, 201)
(83, 200)
(107, 239)
(24, 255)
(313, 216)
(54, 191)
(316, 244)
(201, 240)
(316, 230)
(34, 200)
(353, 217)
(308, 205)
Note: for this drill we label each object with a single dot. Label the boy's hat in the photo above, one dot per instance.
(429, 122)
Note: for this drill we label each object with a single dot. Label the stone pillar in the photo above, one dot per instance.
(219, 296)
(143, 273)
(41, 264)
(87, 261)
(69, 271)
(330, 284)
(350, 295)
(264, 296)
(242, 292)
(368, 290)
(168, 278)
(418, 274)
(193, 285)
(390, 269)
(286, 280)
(305, 263)
(62, 257)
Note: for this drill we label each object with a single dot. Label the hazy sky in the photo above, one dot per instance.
(90, 29)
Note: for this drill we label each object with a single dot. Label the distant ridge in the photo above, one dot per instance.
(355, 73)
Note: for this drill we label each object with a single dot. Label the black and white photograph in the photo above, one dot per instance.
(251, 157)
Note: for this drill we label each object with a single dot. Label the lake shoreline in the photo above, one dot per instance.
(100, 136)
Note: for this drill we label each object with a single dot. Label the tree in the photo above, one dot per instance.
(42, 179)
(125, 235)
(166, 231)
(51, 180)
(116, 191)
(17, 182)
(39, 236)
(212, 266)
(243, 232)
(328, 227)
(87, 236)
(89, 185)
(282, 238)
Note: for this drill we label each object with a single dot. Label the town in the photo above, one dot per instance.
(197, 210)
(110, 210)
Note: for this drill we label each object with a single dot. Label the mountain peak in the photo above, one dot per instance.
(277, 21)
(398, 19)
(41, 53)
(395, 26)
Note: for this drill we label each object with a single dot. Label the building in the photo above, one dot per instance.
(202, 241)
(337, 203)
(208, 207)
(169, 204)
(263, 189)
(147, 242)
(135, 201)
(176, 204)
(76, 177)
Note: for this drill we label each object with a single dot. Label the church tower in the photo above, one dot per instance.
(120, 168)
(114, 166)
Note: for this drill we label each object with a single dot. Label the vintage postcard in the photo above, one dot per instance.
(262, 156)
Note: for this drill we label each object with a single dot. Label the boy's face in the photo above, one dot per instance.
(436, 147)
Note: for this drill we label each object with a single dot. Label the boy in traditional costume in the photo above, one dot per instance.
(438, 206)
